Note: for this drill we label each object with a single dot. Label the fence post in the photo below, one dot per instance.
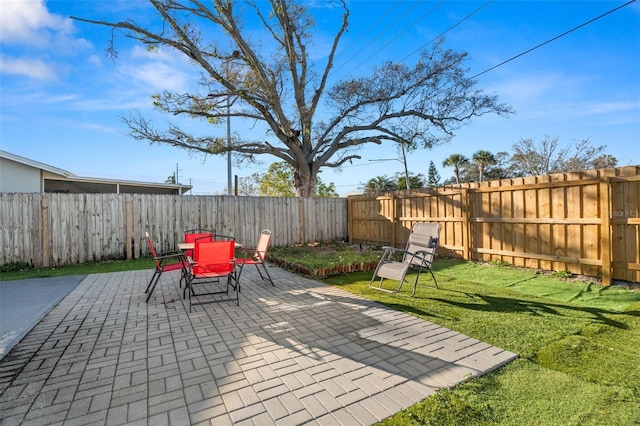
(46, 231)
(128, 220)
(394, 219)
(349, 220)
(466, 231)
(301, 218)
(605, 229)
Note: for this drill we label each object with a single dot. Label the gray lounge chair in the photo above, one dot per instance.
(418, 254)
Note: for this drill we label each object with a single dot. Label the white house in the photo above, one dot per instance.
(19, 174)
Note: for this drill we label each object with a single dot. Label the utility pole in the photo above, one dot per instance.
(404, 162)
(406, 169)
(229, 183)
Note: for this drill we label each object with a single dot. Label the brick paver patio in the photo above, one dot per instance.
(298, 353)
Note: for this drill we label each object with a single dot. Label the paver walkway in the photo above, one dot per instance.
(298, 353)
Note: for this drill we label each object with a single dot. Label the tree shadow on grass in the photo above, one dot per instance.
(491, 303)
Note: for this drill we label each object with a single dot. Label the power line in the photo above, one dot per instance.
(447, 30)
(362, 34)
(399, 34)
(379, 35)
(543, 43)
(552, 39)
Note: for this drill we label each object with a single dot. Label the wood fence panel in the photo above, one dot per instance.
(574, 235)
(530, 237)
(59, 229)
(558, 233)
(507, 234)
(558, 222)
(592, 248)
(625, 219)
(371, 219)
(322, 221)
(518, 227)
(17, 211)
(543, 211)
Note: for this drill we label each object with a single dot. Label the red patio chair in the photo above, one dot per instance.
(191, 235)
(165, 262)
(256, 256)
(212, 261)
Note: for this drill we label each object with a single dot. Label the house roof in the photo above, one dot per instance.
(60, 180)
(36, 164)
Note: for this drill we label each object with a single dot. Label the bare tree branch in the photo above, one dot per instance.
(276, 87)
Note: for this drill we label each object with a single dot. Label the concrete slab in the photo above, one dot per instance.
(23, 303)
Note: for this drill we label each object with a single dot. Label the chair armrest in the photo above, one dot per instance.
(170, 255)
(388, 252)
(389, 249)
(421, 256)
(173, 253)
(246, 250)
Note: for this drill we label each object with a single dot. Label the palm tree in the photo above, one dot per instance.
(482, 159)
(456, 161)
(380, 184)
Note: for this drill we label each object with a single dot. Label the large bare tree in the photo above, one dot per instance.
(278, 85)
(531, 157)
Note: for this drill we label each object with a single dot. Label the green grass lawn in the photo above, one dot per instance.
(578, 342)
(20, 272)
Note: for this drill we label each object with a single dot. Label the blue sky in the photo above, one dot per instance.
(62, 99)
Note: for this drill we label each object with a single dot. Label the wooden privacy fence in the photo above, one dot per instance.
(46, 230)
(585, 223)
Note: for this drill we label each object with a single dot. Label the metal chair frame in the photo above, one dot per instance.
(163, 263)
(212, 261)
(419, 253)
(258, 257)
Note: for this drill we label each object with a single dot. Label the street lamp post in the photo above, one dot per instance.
(404, 162)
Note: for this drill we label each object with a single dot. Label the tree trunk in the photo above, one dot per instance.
(305, 184)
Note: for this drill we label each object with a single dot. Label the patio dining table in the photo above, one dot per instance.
(191, 246)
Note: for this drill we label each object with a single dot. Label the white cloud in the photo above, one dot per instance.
(32, 68)
(30, 23)
(522, 88)
(31, 38)
(96, 127)
(95, 60)
(158, 70)
(611, 107)
(160, 54)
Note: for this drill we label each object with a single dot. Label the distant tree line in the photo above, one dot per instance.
(528, 158)
(278, 181)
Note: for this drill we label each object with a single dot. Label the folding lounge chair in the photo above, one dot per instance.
(419, 253)
(258, 257)
(212, 261)
(165, 262)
